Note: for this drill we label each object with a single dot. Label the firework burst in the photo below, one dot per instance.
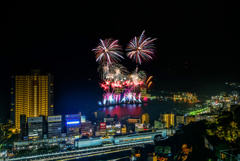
(140, 48)
(108, 51)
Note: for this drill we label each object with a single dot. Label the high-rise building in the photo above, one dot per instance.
(73, 124)
(99, 115)
(145, 118)
(23, 126)
(31, 95)
(180, 120)
(54, 126)
(168, 118)
(87, 128)
(35, 127)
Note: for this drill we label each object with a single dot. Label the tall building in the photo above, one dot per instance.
(87, 128)
(100, 115)
(23, 126)
(168, 118)
(54, 126)
(35, 127)
(145, 118)
(73, 124)
(180, 120)
(31, 95)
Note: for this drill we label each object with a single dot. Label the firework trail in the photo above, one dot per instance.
(108, 52)
(140, 48)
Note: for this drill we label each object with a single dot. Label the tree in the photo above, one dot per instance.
(236, 115)
(1, 134)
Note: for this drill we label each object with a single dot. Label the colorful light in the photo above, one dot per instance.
(119, 84)
(140, 48)
(72, 122)
(108, 51)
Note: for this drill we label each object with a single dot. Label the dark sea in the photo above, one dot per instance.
(153, 108)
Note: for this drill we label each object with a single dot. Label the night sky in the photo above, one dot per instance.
(197, 45)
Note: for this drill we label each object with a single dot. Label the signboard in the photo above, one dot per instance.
(103, 125)
(35, 119)
(54, 118)
(118, 125)
(83, 118)
(108, 126)
(138, 125)
(124, 130)
(108, 119)
(73, 117)
(72, 122)
(25, 138)
(118, 131)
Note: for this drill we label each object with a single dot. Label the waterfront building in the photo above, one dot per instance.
(35, 127)
(186, 97)
(169, 119)
(103, 129)
(31, 95)
(109, 120)
(159, 124)
(144, 95)
(139, 127)
(54, 126)
(134, 120)
(87, 128)
(111, 129)
(72, 124)
(99, 115)
(118, 128)
(145, 118)
(190, 119)
(180, 120)
(124, 129)
(208, 117)
(177, 97)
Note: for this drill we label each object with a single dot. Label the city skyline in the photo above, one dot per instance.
(123, 80)
(32, 96)
(189, 46)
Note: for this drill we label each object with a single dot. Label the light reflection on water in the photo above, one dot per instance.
(153, 108)
(134, 110)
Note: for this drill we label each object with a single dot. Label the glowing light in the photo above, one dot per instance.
(108, 51)
(119, 84)
(149, 79)
(140, 48)
(149, 84)
(73, 122)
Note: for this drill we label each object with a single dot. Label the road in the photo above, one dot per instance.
(5, 139)
(82, 153)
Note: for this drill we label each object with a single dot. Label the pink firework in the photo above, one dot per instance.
(108, 51)
(140, 48)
